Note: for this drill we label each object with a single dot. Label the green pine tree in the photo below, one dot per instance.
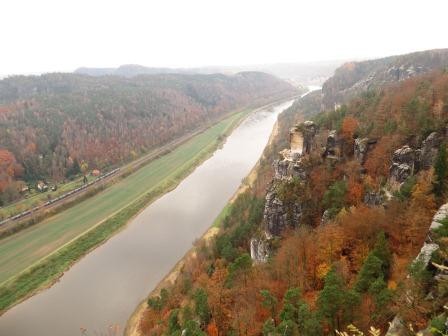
(381, 250)
(269, 327)
(174, 327)
(331, 299)
(370, 271)
(269, 301)
(441, 172)
(202, 308)
(192, 328)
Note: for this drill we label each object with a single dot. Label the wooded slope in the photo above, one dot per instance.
(52, 123)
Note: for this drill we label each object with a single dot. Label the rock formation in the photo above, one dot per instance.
(360, 149)
(288, 166)
(301, 138)
(372, 198)
(332, 150)
(325, 217)
(277, 215)
(355, 77)
(397, 327)
(259, 250)
(407, 161)
(403, 163)
(428, 152)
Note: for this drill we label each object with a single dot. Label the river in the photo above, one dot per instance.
(104, 287)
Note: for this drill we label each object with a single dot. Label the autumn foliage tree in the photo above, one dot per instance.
(351, 268)
(10, 171)
(54, 122)
(348, 131)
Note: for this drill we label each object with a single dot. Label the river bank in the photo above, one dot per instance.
(45, 272)
(36, 216)
(117, 275)
(133, 324)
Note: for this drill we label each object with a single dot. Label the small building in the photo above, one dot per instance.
(42, 186)
(95, 173)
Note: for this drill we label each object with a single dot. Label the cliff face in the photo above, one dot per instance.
(407, 161)
(355, 77)
(278, 213)
(344, 183)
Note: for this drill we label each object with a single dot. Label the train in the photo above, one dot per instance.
(59, 198)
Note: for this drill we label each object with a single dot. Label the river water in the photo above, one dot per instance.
(104, 287)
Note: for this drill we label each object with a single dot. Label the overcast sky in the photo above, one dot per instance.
(61, 35)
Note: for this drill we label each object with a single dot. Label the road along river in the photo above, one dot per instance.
(104, 287)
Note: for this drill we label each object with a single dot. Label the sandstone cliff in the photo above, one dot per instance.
(355, 77)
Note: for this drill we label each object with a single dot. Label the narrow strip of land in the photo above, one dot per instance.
(25, 248)
(133, 324)
(35, 257)
(27, 204)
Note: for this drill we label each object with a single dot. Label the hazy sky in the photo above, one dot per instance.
(61, 35)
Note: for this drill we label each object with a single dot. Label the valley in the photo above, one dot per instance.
(302, 198)
(198, 192)
(223, 168)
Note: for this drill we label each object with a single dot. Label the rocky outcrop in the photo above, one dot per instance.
(326, 217)
(403, 163)
(428, 152)
(407, 161)
(288, 166)
(361, 147)
(442, 213)
(332, 150)
(397, 327)
(373, 198)
(277, 215)
(259, 250)
(301, 137)
(282, 169)
(355, 77)
(309, 130)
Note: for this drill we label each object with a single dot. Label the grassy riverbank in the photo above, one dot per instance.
(133, 324)
(36, 198)
(25, 265)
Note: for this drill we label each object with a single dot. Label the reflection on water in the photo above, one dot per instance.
(104, 288)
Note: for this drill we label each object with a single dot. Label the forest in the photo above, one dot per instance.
(348, 260)
(55, 126)
(353, 78)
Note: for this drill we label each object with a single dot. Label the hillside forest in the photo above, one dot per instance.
(348, 259)
(54, 127)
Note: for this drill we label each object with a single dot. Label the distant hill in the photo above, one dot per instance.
(355, 77)
(132, 70)
(311, 73)
(49, 122)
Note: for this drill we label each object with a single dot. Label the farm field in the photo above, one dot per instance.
(36, 198)
(25, 248)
